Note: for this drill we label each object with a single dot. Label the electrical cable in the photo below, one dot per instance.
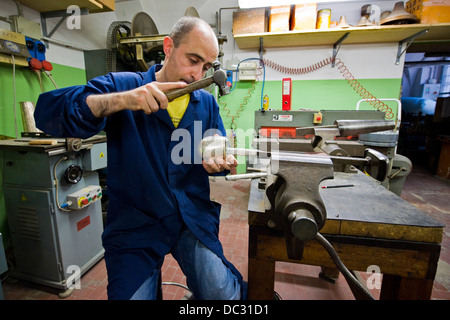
(176, 284)
(264, 76)
(57, 184)
(233, 125)
(351, 280)
(345, 73)
(297, 71)
(14, 96)
(49, 75)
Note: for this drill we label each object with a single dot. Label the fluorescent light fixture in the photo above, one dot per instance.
(245, 4)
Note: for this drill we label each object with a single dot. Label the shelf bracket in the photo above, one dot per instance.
(408, 42)
(336, 48)
(63, 14)
(261, 48)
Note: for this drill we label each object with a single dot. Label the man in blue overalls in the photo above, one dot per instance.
(158, 203)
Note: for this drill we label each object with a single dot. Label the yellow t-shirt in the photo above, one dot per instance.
(177, 108)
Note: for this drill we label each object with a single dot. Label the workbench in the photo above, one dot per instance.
(367, 225)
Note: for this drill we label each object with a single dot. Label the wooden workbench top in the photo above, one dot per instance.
(365, 210)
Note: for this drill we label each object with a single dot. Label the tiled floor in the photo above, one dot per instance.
(293, 281)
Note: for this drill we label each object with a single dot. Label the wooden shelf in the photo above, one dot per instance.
(394, 33)
(94, 6)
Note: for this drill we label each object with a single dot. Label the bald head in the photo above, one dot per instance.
(185, 25)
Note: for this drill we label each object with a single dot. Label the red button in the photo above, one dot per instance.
(47, 65)
(84, 201)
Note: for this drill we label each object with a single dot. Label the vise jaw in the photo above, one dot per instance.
(295, 204)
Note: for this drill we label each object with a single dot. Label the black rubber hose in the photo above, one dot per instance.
(359, 291)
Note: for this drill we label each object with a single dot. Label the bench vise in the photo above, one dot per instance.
(290, 181)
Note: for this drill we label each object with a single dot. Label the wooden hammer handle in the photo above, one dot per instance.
(176, 93)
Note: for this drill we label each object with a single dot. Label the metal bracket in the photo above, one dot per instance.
(408, 42)
(336, 48)
(63, 14)
(261, 48)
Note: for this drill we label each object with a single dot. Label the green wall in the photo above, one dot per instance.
(27, 89)
(310, 94)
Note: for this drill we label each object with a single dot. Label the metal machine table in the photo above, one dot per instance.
(367, 225)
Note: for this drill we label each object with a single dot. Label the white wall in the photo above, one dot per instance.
(364, 61)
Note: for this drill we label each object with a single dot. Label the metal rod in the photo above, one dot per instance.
(254, 175)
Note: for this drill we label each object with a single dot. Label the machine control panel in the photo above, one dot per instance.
(84, 197)
(317, 117)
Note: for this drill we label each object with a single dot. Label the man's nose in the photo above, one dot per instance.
(197, 73)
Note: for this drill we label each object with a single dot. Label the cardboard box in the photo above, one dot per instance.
(279, 18)
(250, 21)
(303, 16)
(429, 11)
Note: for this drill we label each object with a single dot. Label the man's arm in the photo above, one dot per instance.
(148, 98)
(65, 112)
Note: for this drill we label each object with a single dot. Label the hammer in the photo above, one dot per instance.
(219, 77)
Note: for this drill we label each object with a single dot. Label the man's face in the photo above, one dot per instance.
(192, 58)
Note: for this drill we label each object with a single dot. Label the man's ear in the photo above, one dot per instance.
(168, 46)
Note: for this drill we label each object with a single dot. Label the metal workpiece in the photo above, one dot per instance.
(219, 77)
(356, 127)
(374, 163)
(324, 136)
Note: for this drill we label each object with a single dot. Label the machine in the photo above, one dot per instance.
(292, 158)
(53, 205)
(280, 128)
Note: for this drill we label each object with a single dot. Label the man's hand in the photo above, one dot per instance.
(219, 164)
(148, 98)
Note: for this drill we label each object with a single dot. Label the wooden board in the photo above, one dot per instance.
(57, 5)
(379, 34)
(250, 21)
(393, 261)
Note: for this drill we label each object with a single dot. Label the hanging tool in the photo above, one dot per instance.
(219, 77)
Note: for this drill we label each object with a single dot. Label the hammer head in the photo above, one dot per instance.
(220, 78)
